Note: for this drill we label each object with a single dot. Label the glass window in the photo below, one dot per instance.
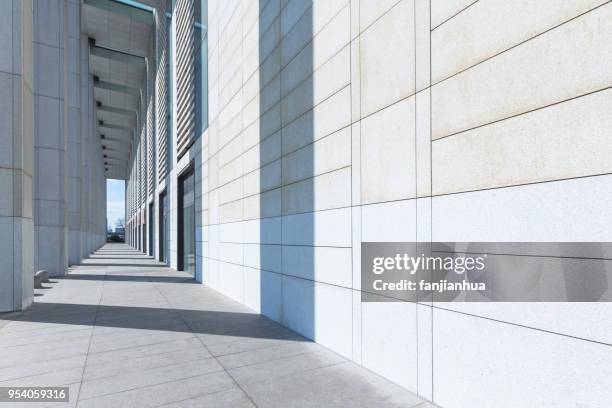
(166, 228)
(187, 223)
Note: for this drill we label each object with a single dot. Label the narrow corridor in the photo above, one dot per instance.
(124, 330)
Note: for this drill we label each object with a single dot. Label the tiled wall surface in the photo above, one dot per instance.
(52, 181)
(334, 122)
(50, 137)
(69, 182)
(16, 156)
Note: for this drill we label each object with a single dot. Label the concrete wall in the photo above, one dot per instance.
(519, 153)
(338, 122)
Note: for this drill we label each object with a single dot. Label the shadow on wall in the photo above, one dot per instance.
(287, 292)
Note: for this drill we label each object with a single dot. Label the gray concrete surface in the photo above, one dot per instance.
(121, 330)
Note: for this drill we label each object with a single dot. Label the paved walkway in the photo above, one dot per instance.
(122, 330)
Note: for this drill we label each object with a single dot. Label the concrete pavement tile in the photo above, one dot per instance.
(342, 385)
(161, 394)
(147, 377)
(94, 371)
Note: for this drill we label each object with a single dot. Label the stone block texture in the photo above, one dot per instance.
(16, 159)
(335, 122)
(43, 167)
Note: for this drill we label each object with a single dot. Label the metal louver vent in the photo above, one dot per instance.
(162, 98)
(151, 122)
(150, 145)
(143, 164)
(185, 75)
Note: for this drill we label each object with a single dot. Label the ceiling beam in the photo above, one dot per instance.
(121, 148)
(112, 109)
(123, 165)
(116, 87)
(116, 127)
(115, 166)
(110, 140)
(124, 9)
(113, 152)
(116, 55)
(115, 161)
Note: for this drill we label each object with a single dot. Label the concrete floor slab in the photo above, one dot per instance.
(122, 330)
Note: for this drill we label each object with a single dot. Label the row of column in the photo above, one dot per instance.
(52, 175)
(142, 169)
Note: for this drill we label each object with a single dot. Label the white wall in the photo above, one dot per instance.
(337, 122)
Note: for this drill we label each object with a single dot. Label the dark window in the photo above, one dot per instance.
(186, 223)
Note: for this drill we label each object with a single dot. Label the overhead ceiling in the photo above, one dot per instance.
(120, 33)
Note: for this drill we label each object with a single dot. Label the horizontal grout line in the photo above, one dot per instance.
(413, 94)
(366, 28)
(223, 32)
(275, 188)
(456, 14)
(364, 117)
(279, 245)
(522, 113)
(282, 97)
(434, 305)
(519, 325)
(274, 216)
(280, 273)
(519, 185)
(578, 258)
(257, 70)
(403, 200)
(282, 126)
(518, 44)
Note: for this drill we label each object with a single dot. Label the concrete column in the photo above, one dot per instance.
(86, 132)
(93, 139)
(73, 106)
(85, 110)
(50, 141)
(16, 156)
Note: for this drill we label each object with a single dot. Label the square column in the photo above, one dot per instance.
(16, 156)
(50, 141)
(73, 107)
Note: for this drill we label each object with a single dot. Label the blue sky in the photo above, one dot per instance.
(115, 198)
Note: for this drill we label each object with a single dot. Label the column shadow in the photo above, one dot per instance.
(287, 196)
(209, 322)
